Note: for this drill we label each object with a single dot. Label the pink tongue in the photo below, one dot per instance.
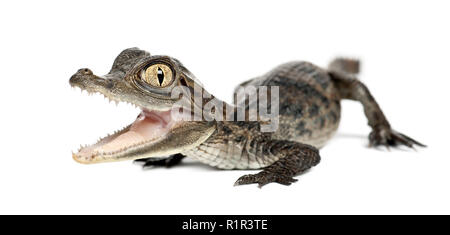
(146, 127)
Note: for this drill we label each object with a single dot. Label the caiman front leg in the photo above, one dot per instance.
(350, 87)
(170, 161)
(294, 158)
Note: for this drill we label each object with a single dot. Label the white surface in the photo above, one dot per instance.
(404, 46)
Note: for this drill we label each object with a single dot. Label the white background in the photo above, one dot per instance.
(404, 46)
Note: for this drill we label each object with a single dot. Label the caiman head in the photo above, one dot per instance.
(147, 82)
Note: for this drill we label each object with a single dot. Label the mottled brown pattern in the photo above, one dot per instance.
(309, 115)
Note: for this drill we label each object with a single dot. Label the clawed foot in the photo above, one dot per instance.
(265, 177)
(166, 161)
(389, 137)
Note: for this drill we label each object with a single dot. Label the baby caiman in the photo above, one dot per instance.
(308, 105)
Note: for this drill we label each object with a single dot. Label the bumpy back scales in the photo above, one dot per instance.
(309, 112)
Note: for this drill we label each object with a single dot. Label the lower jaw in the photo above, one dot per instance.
(149, 126)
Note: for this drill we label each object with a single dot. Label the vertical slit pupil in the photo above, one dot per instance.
(160, 76)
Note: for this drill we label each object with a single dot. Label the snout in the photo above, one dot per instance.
(80, 76)
(85, 79)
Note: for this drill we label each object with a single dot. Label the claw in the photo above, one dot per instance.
(412, 140)
(389, 137)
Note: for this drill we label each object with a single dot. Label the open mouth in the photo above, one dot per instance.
(156, 132)
(150, 126)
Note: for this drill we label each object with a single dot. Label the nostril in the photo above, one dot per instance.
(86, 71)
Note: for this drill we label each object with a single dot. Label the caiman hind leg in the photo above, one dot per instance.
(349, 87)
(294, 158)
(169, 161)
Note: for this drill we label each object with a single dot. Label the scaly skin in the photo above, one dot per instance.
(309, 114)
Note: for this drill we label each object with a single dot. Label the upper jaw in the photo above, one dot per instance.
(114, 87)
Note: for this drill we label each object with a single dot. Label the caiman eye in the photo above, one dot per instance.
(157, 75)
